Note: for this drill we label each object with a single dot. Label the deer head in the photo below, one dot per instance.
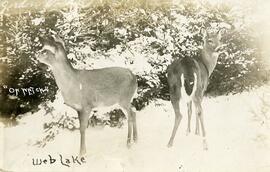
(211, 41)
(53, 50)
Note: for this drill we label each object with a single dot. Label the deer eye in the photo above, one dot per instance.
(210, 41)
(44, 52)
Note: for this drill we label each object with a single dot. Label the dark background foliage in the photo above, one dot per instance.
(159, 33)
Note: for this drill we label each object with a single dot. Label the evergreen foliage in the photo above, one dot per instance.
(144, 38)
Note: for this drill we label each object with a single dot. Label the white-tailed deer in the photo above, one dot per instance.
(188, 80)
(84, 90)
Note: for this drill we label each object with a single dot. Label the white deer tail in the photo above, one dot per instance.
(184, 94)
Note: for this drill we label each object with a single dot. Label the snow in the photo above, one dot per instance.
(236, 141)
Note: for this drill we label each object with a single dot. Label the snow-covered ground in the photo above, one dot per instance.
(238, 140)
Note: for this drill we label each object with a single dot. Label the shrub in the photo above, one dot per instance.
(145, 39)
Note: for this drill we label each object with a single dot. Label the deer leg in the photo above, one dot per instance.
(83, 118)
(128, 112)
(189, 106)
(199, 113)
(135, 135)
(178, 118)
(197, 130)
(201, 116)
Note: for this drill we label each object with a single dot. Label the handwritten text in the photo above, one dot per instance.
(26, 91)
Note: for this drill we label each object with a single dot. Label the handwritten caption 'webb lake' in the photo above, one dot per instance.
(26, 91)
(65, 161)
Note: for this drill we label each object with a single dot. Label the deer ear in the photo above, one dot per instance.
(45, 41)
(47, 44)
(219, 34)
(57, 39)
(48, 48)
(204, 33)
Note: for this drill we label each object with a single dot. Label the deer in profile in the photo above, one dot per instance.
(84, 90)
(188, 79)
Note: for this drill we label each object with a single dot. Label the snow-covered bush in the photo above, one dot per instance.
(19, 71)
(145, 39)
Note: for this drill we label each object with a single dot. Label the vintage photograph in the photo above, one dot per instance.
(134, 86)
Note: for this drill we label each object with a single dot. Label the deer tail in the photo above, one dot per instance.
(188, 86)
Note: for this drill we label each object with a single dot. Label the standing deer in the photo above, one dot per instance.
(84, 90)
(188, 79)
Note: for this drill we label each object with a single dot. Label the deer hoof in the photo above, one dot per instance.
(82, 156)
(128, 144)
(205, 147)
(197, 132)
(187, 132)
(82, 153)
(170, 144)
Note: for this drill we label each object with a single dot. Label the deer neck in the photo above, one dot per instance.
(64, 73)
(209, 58)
